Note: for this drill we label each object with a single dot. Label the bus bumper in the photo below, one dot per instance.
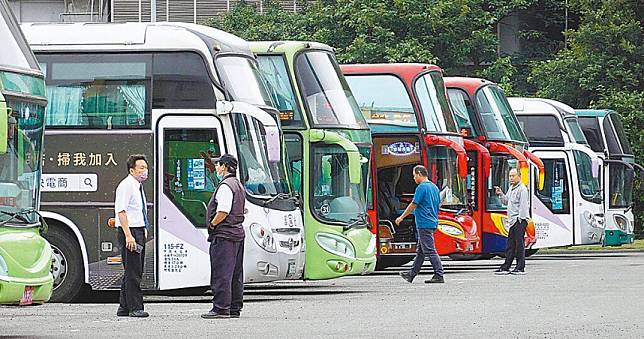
(12, 289)
(617, 238)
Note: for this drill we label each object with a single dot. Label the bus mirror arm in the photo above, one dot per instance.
(540, 166)
(353, 154)
(271, 126)
(461, 155)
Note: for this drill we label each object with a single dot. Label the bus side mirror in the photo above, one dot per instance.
(4, 126)
(273, 143)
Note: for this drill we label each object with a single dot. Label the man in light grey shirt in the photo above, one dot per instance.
(518, 207)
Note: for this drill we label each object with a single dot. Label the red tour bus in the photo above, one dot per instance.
(494, 143)
(411, 123)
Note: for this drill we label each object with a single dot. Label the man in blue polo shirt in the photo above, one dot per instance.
(425, 209)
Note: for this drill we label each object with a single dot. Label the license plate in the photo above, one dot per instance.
(27, 296)
(291, 269)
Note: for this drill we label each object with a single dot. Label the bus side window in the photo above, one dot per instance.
(294, 150)
(555, 193)
(189, 174)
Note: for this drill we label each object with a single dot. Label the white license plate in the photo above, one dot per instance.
(27, 296)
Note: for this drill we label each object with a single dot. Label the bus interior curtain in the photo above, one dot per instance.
(65, 106)
(135, 98)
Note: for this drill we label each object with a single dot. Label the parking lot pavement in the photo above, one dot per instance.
(598, 295)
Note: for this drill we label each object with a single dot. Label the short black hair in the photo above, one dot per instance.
(421, 170)
(132, 159)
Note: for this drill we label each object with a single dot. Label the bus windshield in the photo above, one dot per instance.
(243, 80)
(383, 99)
(326, 95)
(261, 177)
(442, 171)
(620, 186)
(572, 125)
(335, 198)
(588, 185)
(499, 176)
(463, 111)
(20, 165)
(621, 135)
(278, 84)
(15, 49)
(497, 116)
(430, 90)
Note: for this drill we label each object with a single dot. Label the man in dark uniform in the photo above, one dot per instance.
(225, 216)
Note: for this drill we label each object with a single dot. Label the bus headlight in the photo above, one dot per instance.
(451, 230)
(4, 270)
(336, 245)
(621, 222)
(263, 236)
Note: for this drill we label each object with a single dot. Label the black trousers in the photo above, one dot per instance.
(131, 297)
(516, 246)
(227, 275)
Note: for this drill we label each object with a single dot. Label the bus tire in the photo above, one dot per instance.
(530, 252)
(385, 262)
(67, 265)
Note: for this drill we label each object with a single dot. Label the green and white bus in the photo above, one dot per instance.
(181, 94)
(329, 149)
(25, 256)
(605, 134)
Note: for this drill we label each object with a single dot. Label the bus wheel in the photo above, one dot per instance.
(383, 263)
(529, 252)
(66, 265)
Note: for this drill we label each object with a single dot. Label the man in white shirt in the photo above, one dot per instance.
(131, 222)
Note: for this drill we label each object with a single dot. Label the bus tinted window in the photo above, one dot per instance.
(555, 193)
(541, 130)
(592, 132)
(382, 98)
(463, 111)
(189, 173)
(181, 80)
(621, 135)
(97, 91)
(278, 83)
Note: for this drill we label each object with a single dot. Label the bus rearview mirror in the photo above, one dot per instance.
(273, 143)
(4, 126)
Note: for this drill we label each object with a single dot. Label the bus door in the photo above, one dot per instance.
(395, 158)
(185, 183)
(552, 206)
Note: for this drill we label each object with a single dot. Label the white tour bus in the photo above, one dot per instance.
(569, 208)
(179, 94)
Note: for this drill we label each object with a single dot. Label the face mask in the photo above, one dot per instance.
(143, 176)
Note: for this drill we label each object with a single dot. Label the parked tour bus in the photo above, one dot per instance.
(568, 209)
(495, 143)
(25, 256)
(605, 133)
(329, 147)
(180, 94)
(412, 124)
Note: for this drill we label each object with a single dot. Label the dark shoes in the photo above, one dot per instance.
(436, 279)
(235, 314)
(215, 315)
(407, 276)
(502, 272)
(517, 272)
(139, 314)
(121, 312)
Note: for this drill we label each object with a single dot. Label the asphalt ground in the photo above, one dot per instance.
(562, 296)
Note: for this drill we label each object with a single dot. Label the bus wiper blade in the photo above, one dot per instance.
(282, 196)
(17, 215)
(360, 220)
